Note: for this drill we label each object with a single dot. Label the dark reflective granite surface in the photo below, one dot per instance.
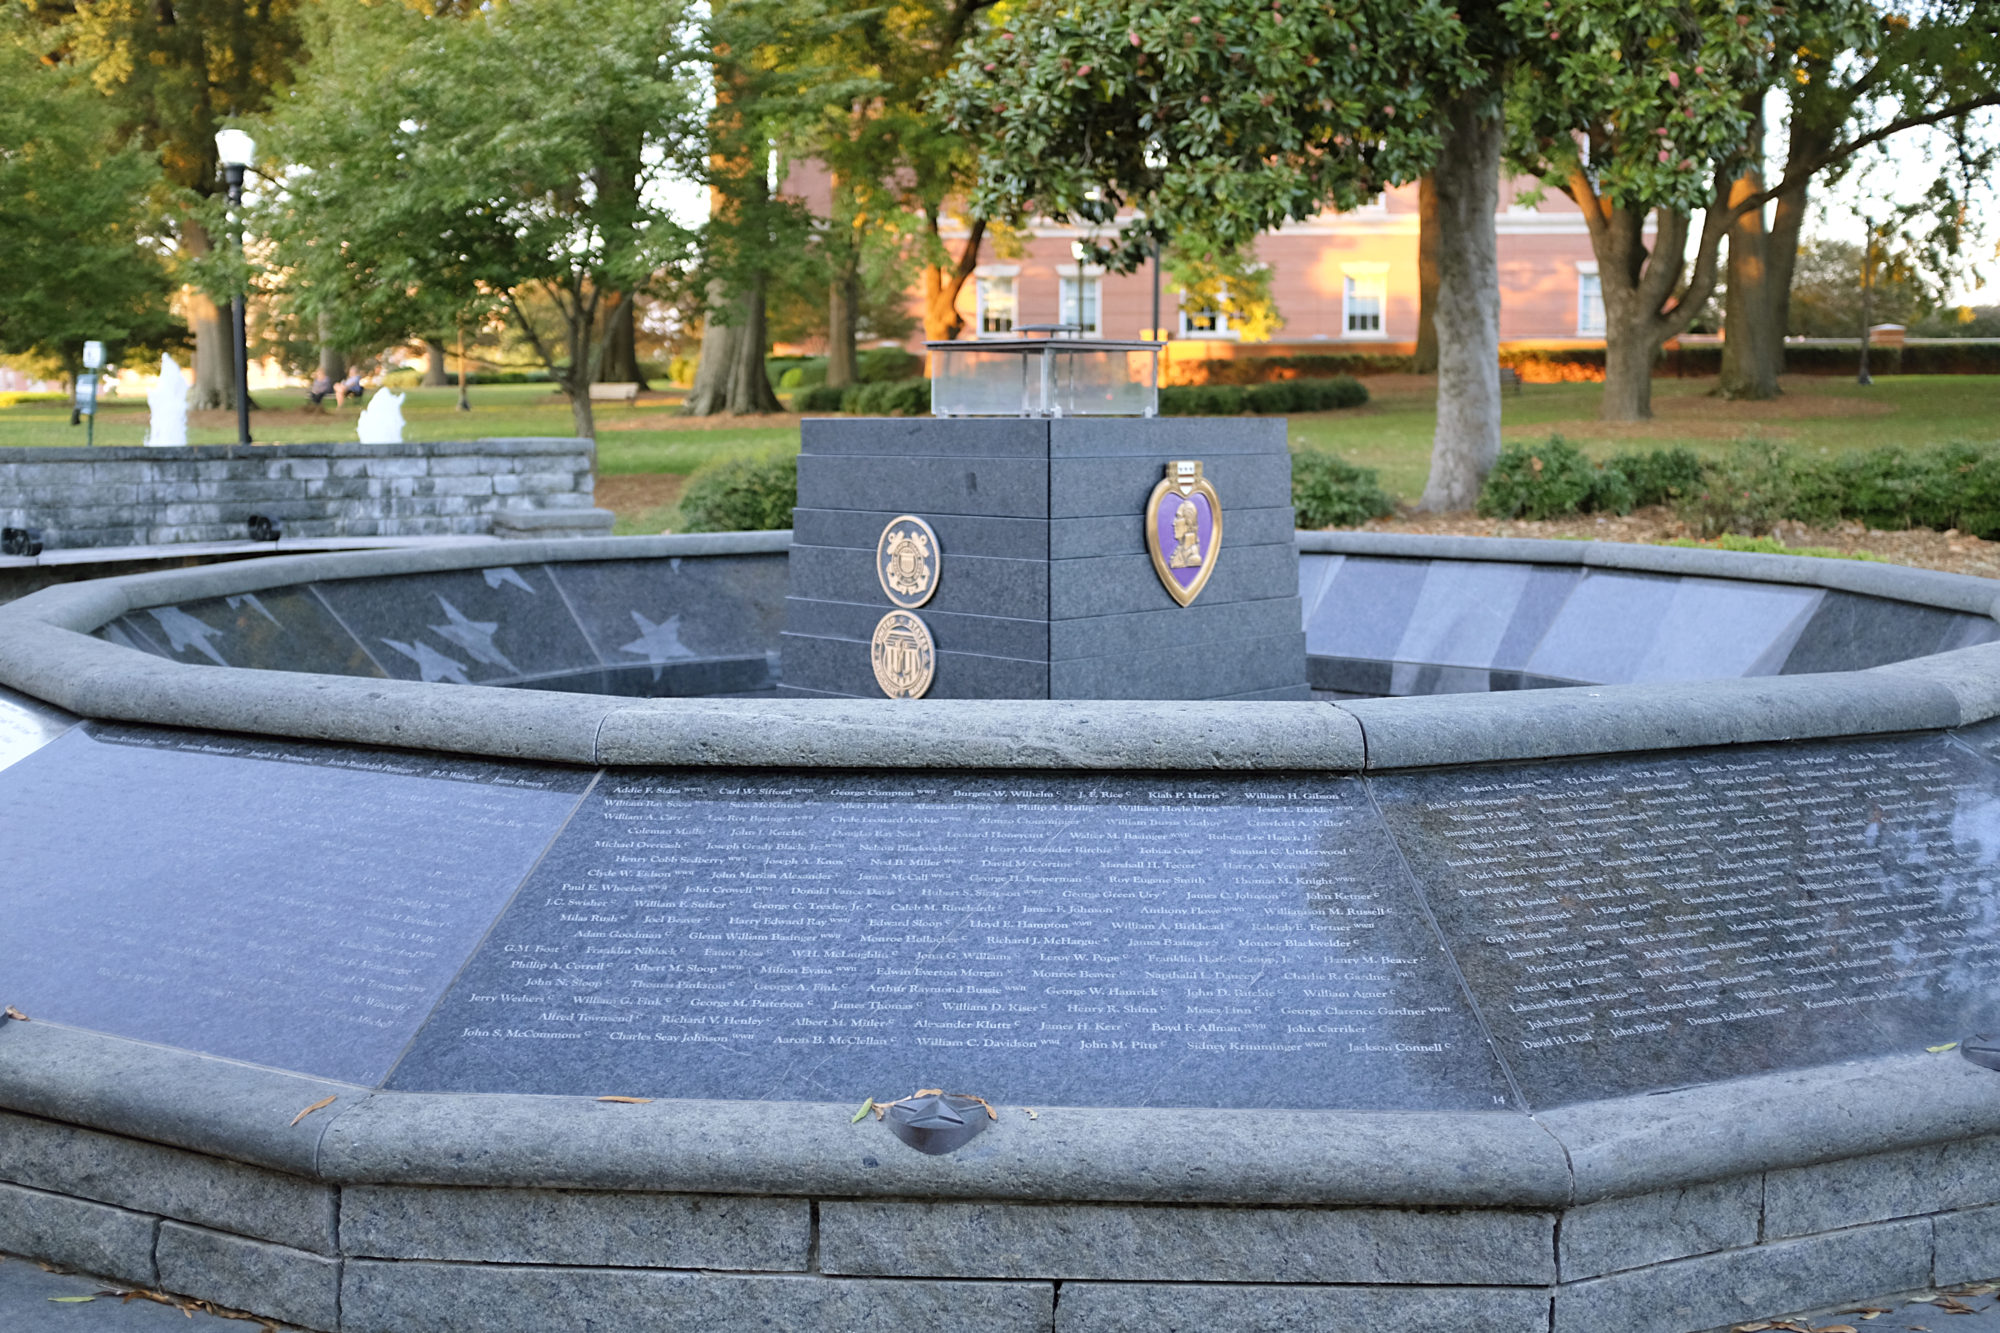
(1620, 925)
(290, 905)
(1635, 924)
(1107, 941)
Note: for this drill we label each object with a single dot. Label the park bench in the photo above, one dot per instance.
(1510, 378)
(615, 391)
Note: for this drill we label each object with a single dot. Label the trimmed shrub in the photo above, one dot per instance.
(1660, 477)
(878, 365)
(1204, 400)
(886, 398)
(741, 495)
(819, 398)
(1274, 398)
(804, 375)
(1551, 480)
(1329, 492)
(1745, 493)
(1266, 369)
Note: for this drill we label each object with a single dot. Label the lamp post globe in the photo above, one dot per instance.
(237, 151)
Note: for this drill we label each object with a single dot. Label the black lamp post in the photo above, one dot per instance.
(237, 150)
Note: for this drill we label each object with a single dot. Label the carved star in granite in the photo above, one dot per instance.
(184, 632)
(475, 636)
(506, 574)
(249, 599)
(432, 665)
(657, 643)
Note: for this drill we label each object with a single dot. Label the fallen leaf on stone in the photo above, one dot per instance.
(629, 1101)
(1031, 1113)
(1758, 1327)
(16, 1014)
(1952, 1305)
(322, 1102)
(71, 1300)
(862, 1114)
(1940, 1050)
(1836, 1328)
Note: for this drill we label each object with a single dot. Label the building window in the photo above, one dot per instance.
(1210, 323)
(1589, 303)
(1079, 302)
(996, 305)
(1364, 295)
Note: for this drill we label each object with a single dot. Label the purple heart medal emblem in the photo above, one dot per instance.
(1184, 529)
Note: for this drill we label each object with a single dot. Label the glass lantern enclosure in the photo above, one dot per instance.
(1044, 377)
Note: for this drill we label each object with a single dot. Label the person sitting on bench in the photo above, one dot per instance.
(351, 388)
(322, 388)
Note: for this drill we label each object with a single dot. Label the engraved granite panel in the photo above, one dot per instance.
(957, 534)
(26, 725)
(961, 438)
(1125, 534)
(1635, 924)
(1086, 487)
(1038, 938)
(968, 584)
(1228, 624)
(291, 905)
(660, 612)
(471, 626)
(280, 629)
(1116, 585)
(994, 636)
(1166, 437)
(1619, 628)
(1849, 632)
(953, 484)
(1192, 671)
(823, 665)
(1365, 607)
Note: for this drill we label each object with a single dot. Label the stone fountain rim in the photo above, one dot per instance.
(47, 650)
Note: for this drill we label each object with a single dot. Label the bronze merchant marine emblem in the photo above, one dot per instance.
(906, 560)
(1184, 529)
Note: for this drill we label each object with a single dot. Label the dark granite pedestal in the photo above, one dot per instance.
(1045, 588)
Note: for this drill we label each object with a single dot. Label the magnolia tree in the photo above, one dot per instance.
(1201, 124)
(1854, 74)
(1638, 112)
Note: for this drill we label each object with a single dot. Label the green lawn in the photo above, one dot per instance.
(1392, 433)
(663, 442)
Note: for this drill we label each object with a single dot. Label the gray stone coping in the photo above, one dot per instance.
(47, 650)
(130, 453)
(1559, 1158)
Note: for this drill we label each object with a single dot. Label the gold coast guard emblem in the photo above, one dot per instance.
(906, 560)
(1184, 529)
(903, 655)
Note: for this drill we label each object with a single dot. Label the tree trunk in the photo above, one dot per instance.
(621, 347)
(842, 299)
(1750, 348)
(214, 343)
(1788, 220)
(1629, 354)
(1646, 300)
(1467, 187)
(730, 376)
(1427, 276)
(942, 322)
(434, 376)
(332, 363)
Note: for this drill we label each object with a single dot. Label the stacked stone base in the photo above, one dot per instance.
(413, 1259)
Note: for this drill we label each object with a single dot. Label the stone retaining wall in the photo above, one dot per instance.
(409, 1213)
(206, 493)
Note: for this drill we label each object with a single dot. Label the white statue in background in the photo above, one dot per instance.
(168, 401)
(381, 421)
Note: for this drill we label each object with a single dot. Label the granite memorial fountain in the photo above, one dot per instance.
(1039, 891)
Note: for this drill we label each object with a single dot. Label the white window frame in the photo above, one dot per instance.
(1187, 315)
(1066, 306)
(1359, 282)
(1586, 327)
(988, 273)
